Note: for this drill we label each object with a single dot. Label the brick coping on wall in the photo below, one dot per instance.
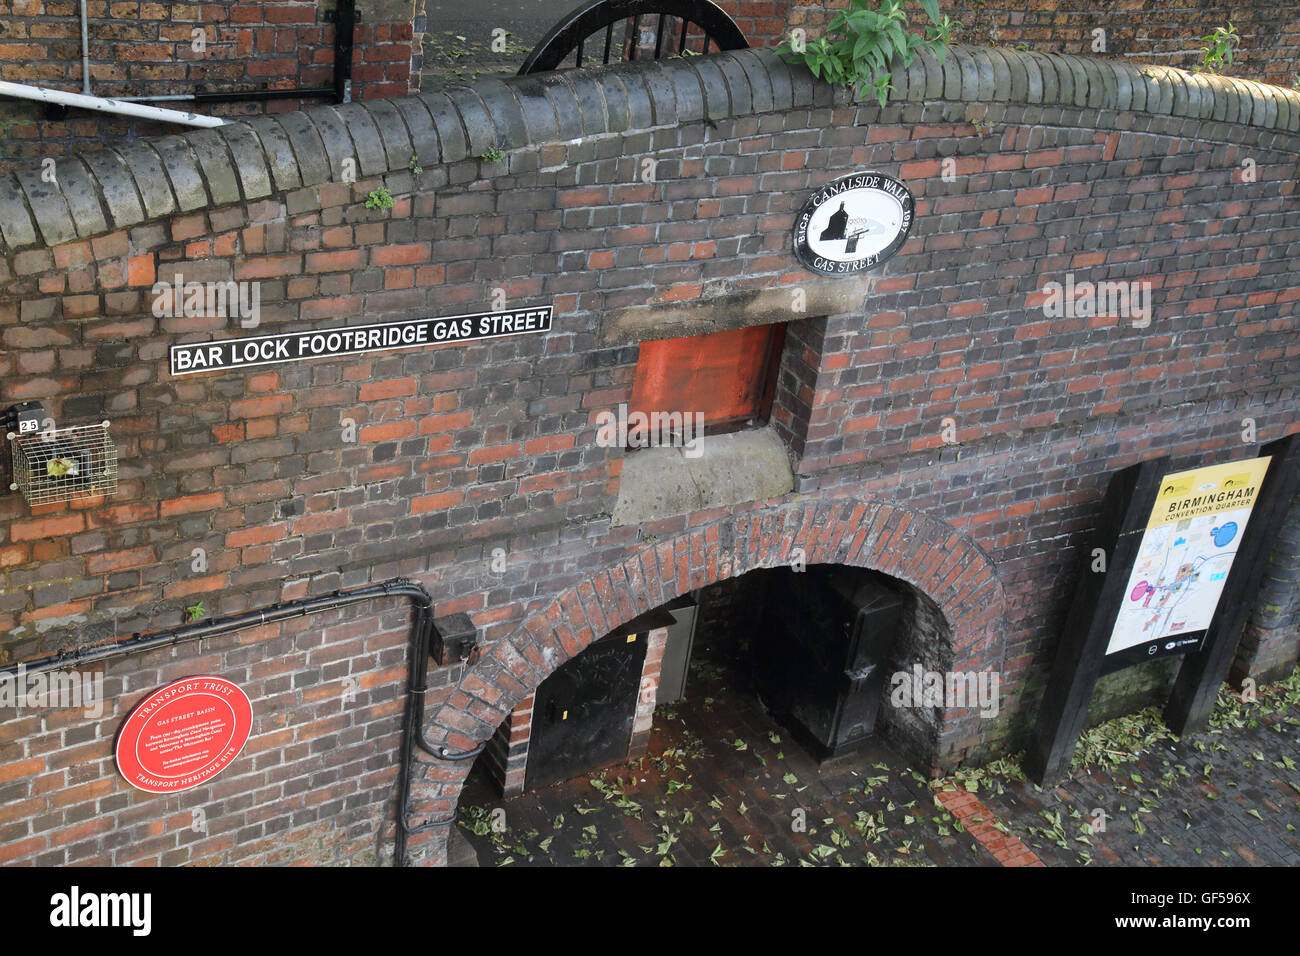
(147, 180)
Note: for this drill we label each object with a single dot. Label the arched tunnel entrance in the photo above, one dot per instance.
(908, 547)
(766, 719)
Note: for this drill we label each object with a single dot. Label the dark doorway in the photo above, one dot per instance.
(820, 657)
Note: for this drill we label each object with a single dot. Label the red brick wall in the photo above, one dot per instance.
(1163, 32)
(763, 23)
(507, 754)
(142, 49)
(463, 451)
(315, 782)
(147, 49)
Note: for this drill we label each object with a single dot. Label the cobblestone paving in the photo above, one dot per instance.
(724, 785)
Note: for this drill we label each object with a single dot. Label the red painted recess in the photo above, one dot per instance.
(729, 376)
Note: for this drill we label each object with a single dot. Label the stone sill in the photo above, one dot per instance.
(732, 468)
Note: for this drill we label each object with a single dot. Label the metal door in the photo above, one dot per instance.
(583, 713)
(818, 663)
(677, 650)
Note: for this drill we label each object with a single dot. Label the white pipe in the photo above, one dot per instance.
(103, 105)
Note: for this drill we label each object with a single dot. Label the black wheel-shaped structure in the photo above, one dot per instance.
(680, 26)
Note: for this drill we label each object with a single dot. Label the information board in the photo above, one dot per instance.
(1187, 549)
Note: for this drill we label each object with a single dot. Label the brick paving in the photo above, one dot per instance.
(1006, 848)
(1227, 797)
(724, 785)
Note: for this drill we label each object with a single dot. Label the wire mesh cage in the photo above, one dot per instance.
(61, 464)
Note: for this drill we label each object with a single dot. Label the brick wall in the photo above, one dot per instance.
(763, 22)
(1163, 32)
(656, 640)
(315, 783)
(151, 49)
(507, 753)
(924, 639)
(473, 467)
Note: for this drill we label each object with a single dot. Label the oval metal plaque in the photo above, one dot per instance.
(852, 224)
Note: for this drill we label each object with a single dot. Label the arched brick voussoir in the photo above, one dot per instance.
(910, 545)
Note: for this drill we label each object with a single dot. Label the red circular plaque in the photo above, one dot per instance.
(183, 734)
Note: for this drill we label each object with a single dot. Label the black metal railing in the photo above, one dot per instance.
(680, 23)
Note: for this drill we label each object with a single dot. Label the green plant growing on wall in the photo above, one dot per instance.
(380, 198)
(861, 41)
(493, 154)
(414, 165)
(1218, 50)
(977, 118)
(194, 611)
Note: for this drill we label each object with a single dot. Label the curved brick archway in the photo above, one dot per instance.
(907, 544)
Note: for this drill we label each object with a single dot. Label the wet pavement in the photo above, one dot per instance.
(1227, 797)
(724, 785)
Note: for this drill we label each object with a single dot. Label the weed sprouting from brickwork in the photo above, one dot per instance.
(1219, 49)
(861, 42)
(380, 198)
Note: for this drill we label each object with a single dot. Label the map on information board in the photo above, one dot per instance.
(1190, 541)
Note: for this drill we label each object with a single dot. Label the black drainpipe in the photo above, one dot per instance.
(413, 733)
(344, 27)
(421, 636)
